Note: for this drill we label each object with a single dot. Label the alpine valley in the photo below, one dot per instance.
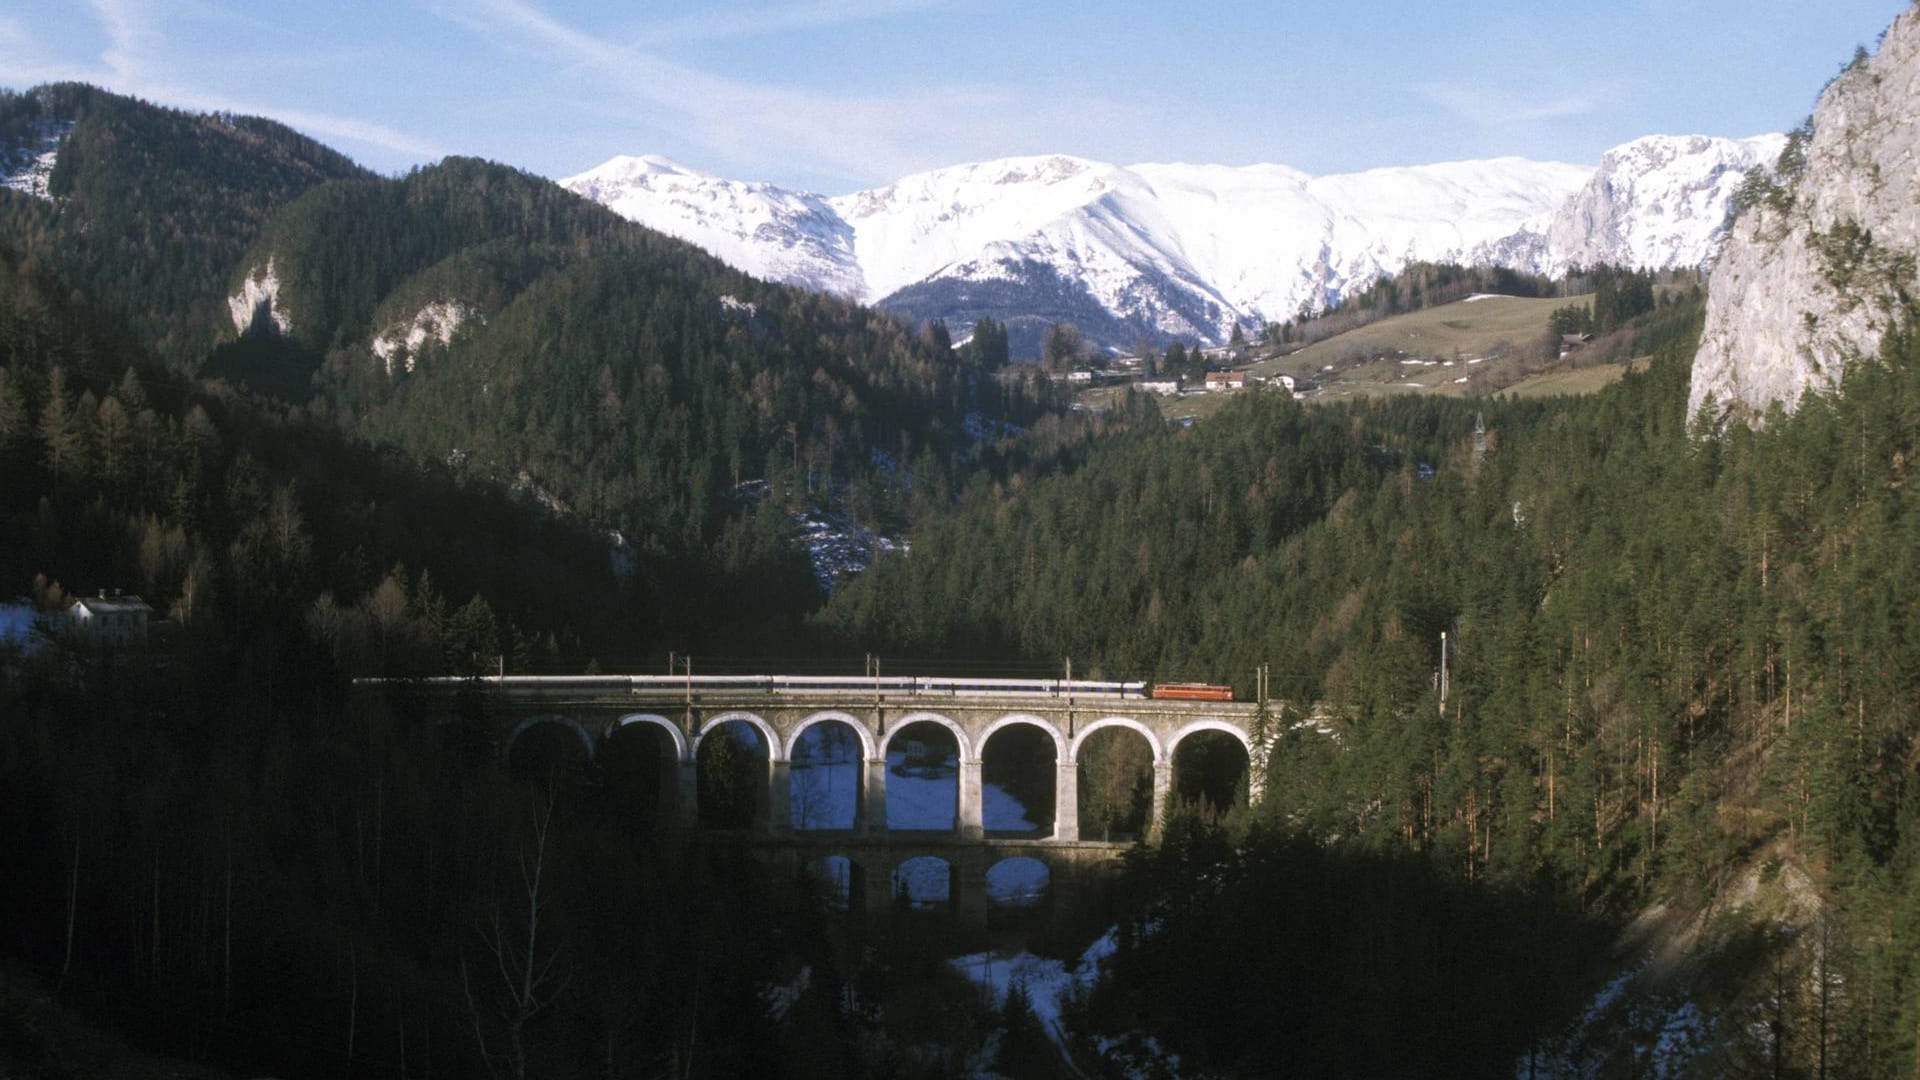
(1171, 251)
(457, 623)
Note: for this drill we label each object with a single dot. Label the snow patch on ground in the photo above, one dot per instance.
(927, 881)
(259, 294)
(1589, 1046)
(1019, 882)
(838, 548)
(435, 322)
(1050, 984)
(780, 998)
(981, 429)
(1486, 296)
(28, 167)
(20, 628)
(525, 484)
(1138, 1057)
(824, 781)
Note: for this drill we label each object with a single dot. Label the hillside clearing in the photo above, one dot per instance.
(1478, 345)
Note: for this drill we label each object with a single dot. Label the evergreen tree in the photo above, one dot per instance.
(62, 438)
(15, 430)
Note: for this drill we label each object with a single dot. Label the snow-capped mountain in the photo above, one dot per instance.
(770, 232)
(1660, 201)
(1158, 250)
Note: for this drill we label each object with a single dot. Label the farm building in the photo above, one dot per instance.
(116, 619)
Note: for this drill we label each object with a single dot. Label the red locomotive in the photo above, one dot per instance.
(1192, 691)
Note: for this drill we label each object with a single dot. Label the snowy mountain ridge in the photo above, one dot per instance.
(1157, 250)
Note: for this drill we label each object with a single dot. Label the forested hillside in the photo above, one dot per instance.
(1667, 652)
(484, 318)
(203, 837)
(503, 332)
(151, 207)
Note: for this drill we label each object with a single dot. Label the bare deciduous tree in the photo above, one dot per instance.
(529, 979)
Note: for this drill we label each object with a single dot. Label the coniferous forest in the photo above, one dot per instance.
(1680, 661)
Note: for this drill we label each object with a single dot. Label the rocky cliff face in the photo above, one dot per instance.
(1817, 268)
(1660, 201)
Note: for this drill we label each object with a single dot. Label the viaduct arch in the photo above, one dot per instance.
(597, 708)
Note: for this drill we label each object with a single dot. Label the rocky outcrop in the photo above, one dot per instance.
(433, 324)
(257, 307)
(1821, 260)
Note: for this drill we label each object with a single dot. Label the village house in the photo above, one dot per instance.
(1163, 387)
(1226, 380)
(113, 619)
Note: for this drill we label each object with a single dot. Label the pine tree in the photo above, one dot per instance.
(15, 429)
(1024, 1047)
(62, 440)
(115, 429)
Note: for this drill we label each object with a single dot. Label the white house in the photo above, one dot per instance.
(119, 620)
(1163, 387)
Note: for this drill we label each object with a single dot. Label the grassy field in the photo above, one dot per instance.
(1577, 381)
(1472, 345)
(1187, 406)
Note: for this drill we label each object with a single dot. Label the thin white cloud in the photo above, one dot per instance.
(860, 138)
(136, 61)
(1489, 107)
(130, 39)
(326, 125)
(780, 19)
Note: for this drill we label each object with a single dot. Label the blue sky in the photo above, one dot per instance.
(837, 96)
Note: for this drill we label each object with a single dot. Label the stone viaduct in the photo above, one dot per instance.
(686, 711)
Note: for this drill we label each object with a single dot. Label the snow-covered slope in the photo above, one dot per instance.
(1658, 201)
(27, 166)
(1159, 250)
(769, 232)
(1270, 238)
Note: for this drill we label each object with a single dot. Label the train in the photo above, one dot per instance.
(847, 685)
(924, 685)
(885, 685)
(1192, 691)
